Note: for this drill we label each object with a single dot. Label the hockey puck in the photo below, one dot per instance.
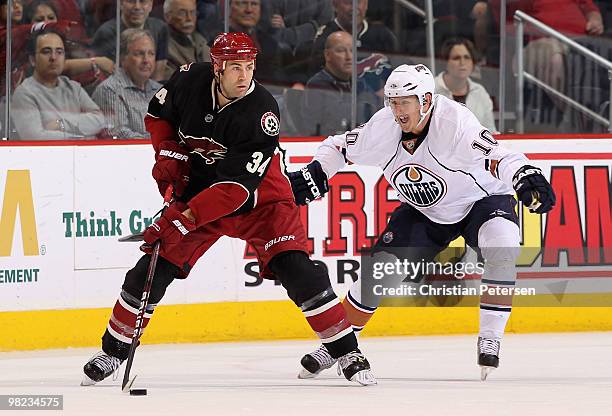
(138, 392)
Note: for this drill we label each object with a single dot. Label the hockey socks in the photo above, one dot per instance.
(118, 336)
(328, 319)
(493, 320)
(357, 313)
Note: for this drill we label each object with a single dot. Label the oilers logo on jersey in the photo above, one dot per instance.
(420, 186)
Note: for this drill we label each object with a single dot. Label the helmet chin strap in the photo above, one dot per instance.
(218, 82)
(221, 92)
(424, 115)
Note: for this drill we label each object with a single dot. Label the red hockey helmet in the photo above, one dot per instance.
(234, 46)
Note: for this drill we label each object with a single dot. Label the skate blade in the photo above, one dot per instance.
(87, 381)
(364, 377)
(305, 374)
(485, 371)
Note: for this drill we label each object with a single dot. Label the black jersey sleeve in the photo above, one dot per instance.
(252, 140)
(252, 144)
(164, 103)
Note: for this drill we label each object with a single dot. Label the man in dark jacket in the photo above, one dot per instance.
(327, 101)
(370, 36)
(297, 21)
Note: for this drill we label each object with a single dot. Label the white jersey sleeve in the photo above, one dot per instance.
(331, 154)
(364, 145)
(475, 146)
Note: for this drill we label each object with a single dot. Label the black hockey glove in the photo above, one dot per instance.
(308, 183)
(533, 190)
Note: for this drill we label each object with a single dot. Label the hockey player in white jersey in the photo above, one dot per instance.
(452, 178)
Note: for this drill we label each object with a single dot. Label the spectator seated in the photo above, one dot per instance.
(455, 82)
(48, 105)
(245, 16)
(125, 96)
(134, 14)
(371, 36)
(185, 44)
(295, 21)
(327, 104)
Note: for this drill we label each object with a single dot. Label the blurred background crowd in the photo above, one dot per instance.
(81, 69)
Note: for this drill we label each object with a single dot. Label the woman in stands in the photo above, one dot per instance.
(41, 11)
(455, 82)
(16, 15)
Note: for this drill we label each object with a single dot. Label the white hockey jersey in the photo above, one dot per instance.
(458, 162)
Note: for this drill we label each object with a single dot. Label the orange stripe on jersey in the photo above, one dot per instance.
(355, 316)
(493, 168)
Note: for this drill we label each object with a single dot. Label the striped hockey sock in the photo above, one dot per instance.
(123, 319)
(327, 318)
(495, 311)
(357, 313)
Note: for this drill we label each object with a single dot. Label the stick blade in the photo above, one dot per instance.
(127, 386)
(132, 238)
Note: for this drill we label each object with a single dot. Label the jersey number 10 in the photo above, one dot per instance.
(487, 137)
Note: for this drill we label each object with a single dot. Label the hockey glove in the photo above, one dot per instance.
(308, 183)
(170, 228)
(533, 190)
(171, 167)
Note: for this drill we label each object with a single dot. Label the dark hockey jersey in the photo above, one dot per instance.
(235, 159)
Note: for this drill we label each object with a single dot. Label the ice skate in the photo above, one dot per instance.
(356, 368)
(99, 367)
(488, 356)
(315, 362)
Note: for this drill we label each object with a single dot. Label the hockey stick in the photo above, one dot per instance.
(535, 201)
(138, 236)
(132, 237)
(144, 300)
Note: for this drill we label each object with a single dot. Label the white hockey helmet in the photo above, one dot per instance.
(406, 80)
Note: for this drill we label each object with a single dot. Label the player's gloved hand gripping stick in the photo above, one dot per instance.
(171, 169)
(144, 300)
(533, 190)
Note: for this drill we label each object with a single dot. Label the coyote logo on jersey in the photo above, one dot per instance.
(420, 186)
(205, 147)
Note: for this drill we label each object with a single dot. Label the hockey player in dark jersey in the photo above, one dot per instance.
(215, 132)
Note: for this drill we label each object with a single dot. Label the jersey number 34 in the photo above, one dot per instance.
(256, 164)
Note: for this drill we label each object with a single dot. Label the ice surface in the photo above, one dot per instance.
(539, 374)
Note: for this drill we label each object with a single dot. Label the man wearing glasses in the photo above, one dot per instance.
(134, 15)
(47, 105)
(185, 44)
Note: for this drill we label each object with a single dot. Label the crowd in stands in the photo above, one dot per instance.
(67, 81)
